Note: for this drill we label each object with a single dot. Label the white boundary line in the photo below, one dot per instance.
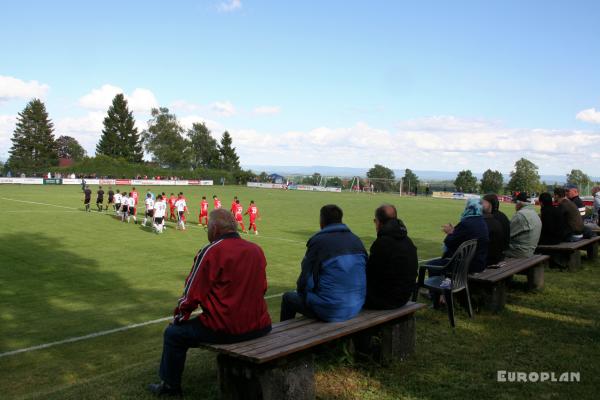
(98, 334)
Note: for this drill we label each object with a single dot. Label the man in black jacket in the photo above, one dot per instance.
(554, 226)
(393, 262)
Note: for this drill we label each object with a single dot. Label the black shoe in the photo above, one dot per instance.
(164, 389)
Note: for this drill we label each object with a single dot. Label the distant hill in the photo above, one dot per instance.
(424, 175)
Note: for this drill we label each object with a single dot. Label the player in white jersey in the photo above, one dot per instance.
(149, 209)
(118, 199)
(124, 207)
(131, 201)
(181, 207)
(160, 209)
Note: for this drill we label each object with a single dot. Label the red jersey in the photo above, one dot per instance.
(172, 201)
(228, 280)
(134, 194)
(217, 204)
(239, 210)
(233, 207)
(204, 207)
(253, 212)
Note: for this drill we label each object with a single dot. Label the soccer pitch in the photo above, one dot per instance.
(68, 274)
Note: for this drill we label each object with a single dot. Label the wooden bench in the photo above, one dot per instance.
(492, 281)
(280, 365)
(572, 251)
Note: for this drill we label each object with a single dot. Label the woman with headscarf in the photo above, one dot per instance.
(471, 226)
(500, 217)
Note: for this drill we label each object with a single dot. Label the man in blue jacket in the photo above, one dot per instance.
(332, 284)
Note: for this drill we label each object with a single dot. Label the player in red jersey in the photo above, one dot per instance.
(252, 211)
(172, 201)
(203, 212)
(239, 210)
(216, 202)
(134, 194)
(234, 204)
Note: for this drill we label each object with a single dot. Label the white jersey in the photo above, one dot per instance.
(131, 201)
(125, 200)
(180, 204)
(118, 197)
(149, 203)
(160, 208)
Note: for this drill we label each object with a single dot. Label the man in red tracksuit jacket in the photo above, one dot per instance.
(228, 281)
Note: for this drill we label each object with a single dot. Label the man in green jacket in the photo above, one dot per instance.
(525, 229)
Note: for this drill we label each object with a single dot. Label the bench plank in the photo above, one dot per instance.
(568, 246)
(513, 266)
(304, 333)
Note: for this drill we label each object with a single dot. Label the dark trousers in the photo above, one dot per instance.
(292, 303)
(179, 338)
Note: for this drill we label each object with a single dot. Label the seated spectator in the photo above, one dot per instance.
(596, 213)
(572, 193)
(471, 226)
(332, 282)
(554, 227)
(501, 217)
(498, 242)
(228, 281)
(525, 229)
(392, 265)
(571, 215)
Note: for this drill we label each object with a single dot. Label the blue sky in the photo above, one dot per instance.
(425, 85)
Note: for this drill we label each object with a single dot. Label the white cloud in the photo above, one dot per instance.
(215, 127)
(7, 127)
(436, 143)
(14, 88)
(186, 106)
(223, 108)
(86, 129)
(230, 5)
(267, 110)
(589, 115)
(140, 100)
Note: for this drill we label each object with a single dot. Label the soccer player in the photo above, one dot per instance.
(234, 204)
(203, 211)
(132, 208)
(134, 194)
(181, 206)
(124, 207)
(252, 211)
(111, 198)
(148, 192)
(172, 201)
(100, 198)
(216, 202)
(149, 209)
(239, 210)
(160, 209)
(118, 198)
(87, 193)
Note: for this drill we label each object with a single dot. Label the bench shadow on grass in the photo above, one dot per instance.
(50, 293)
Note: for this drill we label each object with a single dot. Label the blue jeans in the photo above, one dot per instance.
(179, 338)
(292, 303)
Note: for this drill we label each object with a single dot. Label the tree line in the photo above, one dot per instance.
(35, 149)
(523, 178)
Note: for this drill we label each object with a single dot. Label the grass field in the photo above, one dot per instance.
(65, 273)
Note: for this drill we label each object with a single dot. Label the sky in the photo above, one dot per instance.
(428, 85)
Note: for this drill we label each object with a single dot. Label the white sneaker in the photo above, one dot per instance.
(446, 283)
(256, 232)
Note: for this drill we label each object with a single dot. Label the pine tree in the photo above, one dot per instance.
(34, 147)
(120, 137)
(229, 158)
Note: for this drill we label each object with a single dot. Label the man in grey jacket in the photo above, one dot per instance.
(525, 229)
